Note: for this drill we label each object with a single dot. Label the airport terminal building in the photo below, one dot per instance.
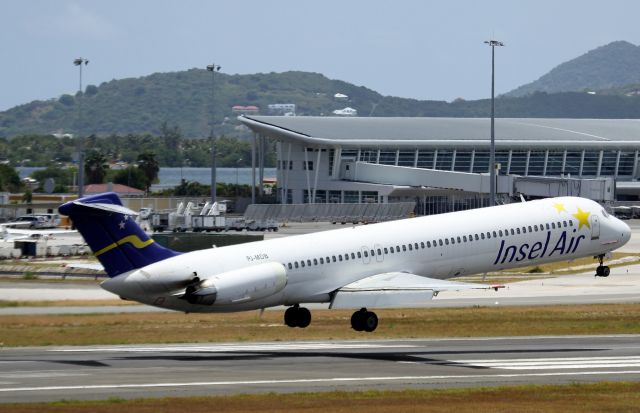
(443, 163)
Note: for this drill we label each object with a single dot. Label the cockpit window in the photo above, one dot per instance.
(605, 213)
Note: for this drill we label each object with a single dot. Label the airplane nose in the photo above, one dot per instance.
(625, 232)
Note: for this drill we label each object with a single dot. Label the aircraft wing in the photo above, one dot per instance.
(396, 289)
(86, 266)
(37, 233)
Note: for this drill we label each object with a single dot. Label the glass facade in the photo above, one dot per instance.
(552, 162)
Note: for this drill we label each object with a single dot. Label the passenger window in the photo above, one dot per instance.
(422, 245)
(295, 264)
(530, 229)
(373, 253)
(535, 228)
(366, 254)
(360, 255)
(353, 256)
(464, 238)
(559, 225)
(488, 235)
(459, 240)
(428, 244)
(453, 240)
(339, 257)
(500, 232)
(482, 235)
(570, 223)
(564, 224)
(346, 257)
(518, 231)
(548, 226)
(478, 238)
(333, 258)
(315, 261)
(410, 247)
(446, 241)
(321, 260)
(513, 232)
(524, 230)
(553, 225)
(290, 266)
(328, 260)
(309, 263)
(404, 248)
(379, 252)
(440, 242)
(302, 264)
(386, 251)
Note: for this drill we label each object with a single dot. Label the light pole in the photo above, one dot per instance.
(492, 151)
(80, 62)
(213, 68)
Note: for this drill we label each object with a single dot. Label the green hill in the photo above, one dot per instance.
(610, 66)
(183, 100)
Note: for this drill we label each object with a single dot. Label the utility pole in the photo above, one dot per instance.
(492, 151)
(80, 62)
(213, 68)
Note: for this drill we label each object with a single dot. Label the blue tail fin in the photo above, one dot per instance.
(110, 230)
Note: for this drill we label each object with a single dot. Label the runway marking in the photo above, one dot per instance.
(555, 363)
(236, 348)
(306, 381)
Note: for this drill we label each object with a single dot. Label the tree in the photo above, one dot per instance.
(95, 168)
(9, 179)
(131, 176)
(149, 165)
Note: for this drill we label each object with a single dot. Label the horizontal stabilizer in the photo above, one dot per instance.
(118, 209)
(396, 289)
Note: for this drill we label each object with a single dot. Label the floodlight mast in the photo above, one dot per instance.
(80, 62)
(213, 68)
(492, 151)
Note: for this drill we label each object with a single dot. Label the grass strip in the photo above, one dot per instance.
(571, 398)
(138, 328)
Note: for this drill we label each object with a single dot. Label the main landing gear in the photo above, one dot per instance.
(602, 270)
(297, 316)
(363, 320)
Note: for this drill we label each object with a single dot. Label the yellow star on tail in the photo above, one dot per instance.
(559, 207)
(583, 218)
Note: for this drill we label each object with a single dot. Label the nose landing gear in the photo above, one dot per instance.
(602, 270)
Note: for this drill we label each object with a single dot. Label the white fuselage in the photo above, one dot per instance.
(439, 246)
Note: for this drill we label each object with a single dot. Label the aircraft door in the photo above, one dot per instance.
(595, 226)
(366, 258)
(379, 253)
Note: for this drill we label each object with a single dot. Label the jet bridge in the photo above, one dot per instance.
(599, 189)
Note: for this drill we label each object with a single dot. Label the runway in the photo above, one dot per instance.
(99, 372)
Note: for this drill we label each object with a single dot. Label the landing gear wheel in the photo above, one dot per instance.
(297, 316)
(290, 316)
(357, 320)
(602, 270)
(370, 322)
(304, 317)
(363, 320)
(605, 271)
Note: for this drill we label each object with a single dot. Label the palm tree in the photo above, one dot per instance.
(149, 165)
(95, 168)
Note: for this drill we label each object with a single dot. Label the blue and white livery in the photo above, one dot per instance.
(401, 263)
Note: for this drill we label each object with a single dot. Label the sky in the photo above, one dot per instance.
(418, 49)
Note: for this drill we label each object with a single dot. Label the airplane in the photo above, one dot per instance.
(9, 232)
(380, 265)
